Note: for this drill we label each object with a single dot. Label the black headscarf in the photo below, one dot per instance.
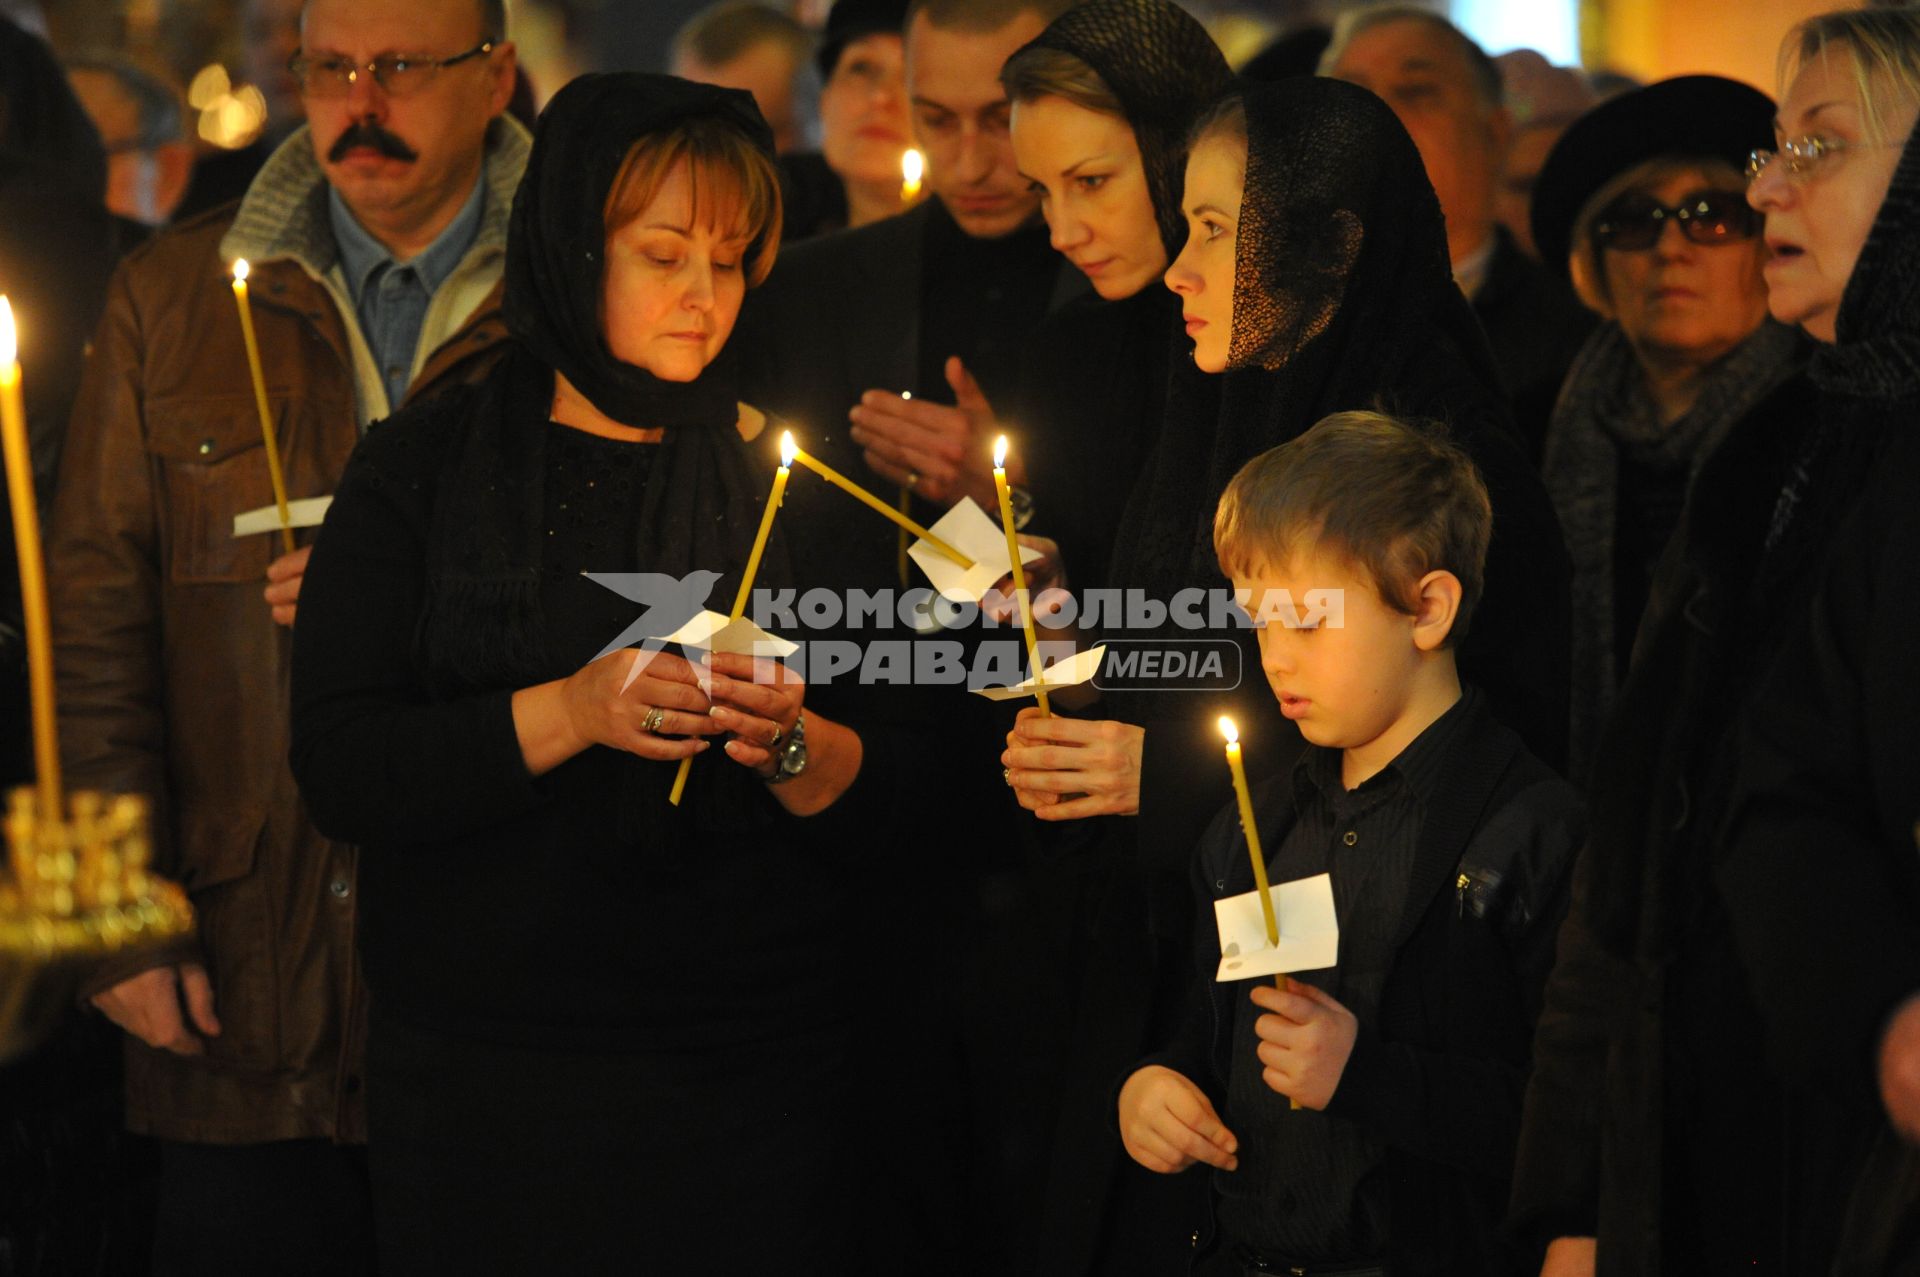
(1343, 299)
(483, 626)
(556, 242)
(1165, 70)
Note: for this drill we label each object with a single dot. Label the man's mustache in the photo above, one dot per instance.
(367, 133)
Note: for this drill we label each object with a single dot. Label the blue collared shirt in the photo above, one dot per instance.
(391, 297)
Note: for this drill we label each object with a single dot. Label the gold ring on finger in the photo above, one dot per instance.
(655, 716)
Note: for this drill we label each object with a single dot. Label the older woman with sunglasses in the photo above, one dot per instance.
(1643, 203)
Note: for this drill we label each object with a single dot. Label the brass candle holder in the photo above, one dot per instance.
(78, 891)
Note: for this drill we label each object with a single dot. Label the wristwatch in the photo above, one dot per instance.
(792, 758)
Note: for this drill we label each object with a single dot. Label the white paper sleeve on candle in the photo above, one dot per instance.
(1309, 931)
(1071, 672)
(713, 632)
(967, 529)
(306, 513)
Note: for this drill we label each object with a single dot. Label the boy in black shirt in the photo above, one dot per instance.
(1449, 848)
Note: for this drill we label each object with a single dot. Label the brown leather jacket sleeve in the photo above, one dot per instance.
(103, 581)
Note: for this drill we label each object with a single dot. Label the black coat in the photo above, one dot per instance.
(1819, 871)
(1438, 1079)
(1651, 1117)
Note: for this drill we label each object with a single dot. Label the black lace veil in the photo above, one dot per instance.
(1343, 298)
(1166, 71)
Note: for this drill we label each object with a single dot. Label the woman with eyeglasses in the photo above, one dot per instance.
(1702, 1099)
(1643, 203)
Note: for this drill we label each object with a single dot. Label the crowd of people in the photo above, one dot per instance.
(1526, 470)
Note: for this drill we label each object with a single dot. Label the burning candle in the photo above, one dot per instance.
(913, 167)
(1019, 572)
(787, 449)
(240, 270)
(1252, 831)
(33, 576)
(1245, 799)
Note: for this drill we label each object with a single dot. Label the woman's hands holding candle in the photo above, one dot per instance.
(596, 705)
(1167, 1123)
(753, 695)
(1306, 1038)
(753, 699)
(1096, 762)
(943, 449)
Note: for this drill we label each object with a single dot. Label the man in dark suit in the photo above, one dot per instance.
(849, 324)
(939, 302)
(1448, 94)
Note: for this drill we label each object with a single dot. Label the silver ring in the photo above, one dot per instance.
(655, 716)
(773, 742)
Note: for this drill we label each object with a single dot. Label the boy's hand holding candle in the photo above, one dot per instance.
(1306, 1038)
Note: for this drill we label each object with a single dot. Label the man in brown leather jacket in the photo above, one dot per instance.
(376, 237)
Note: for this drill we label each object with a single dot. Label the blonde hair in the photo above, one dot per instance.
(1586, 260)
(1039, 71)
(733, 179)
(1882, 48)
(1395, 500)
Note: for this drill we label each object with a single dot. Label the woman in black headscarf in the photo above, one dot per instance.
(1103, 100)
(605, 1026)
(1315, 279)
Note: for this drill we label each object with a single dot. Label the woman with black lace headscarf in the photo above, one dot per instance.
(1103, 100)
(605, 1027)
(1327, 287)
(1746, 914)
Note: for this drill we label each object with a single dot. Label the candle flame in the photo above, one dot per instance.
(1000, 453)
(787, 448)
(8, 343)
(1228, 730)
(913, 167)
(241, 269)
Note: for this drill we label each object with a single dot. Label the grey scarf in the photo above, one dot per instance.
(1605, 412)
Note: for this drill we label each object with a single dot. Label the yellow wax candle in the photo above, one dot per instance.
(33, 575)
(746, 580)
(1019, 572)
(240, 270)
(1245, 799)
(1252, 831)
(913, 167)
(904, 504)
(853, 489)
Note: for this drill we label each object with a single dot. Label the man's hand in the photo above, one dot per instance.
(1900, 1069)
(942, 453)
(1569, 1257)
(1305, 1039)
(1167, 1123)
(148, 1006)
(1071, 768)
(284, 575)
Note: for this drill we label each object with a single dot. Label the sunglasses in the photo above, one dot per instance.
(1634, 223)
